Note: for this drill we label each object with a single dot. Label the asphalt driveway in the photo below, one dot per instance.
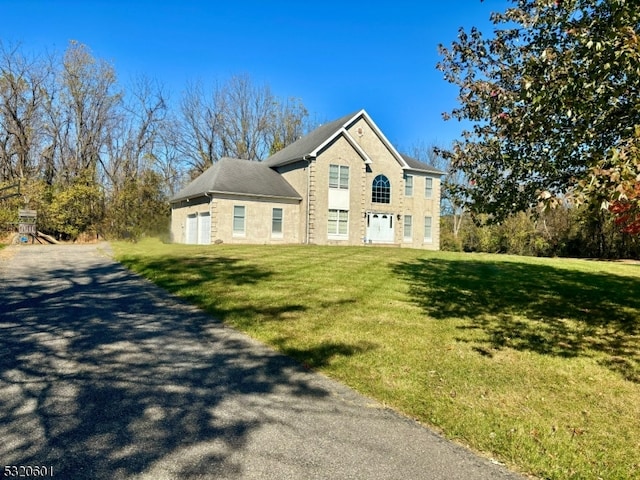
(105, 376)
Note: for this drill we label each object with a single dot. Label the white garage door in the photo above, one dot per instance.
(204, 229)
(192, 229)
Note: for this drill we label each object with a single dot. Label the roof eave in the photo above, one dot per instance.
(424, 170)
(260, 195)
(304, 158)
(188, 197)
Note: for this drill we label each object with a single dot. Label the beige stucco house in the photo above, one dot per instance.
(342, 184)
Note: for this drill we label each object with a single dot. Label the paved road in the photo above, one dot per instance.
(105, 376)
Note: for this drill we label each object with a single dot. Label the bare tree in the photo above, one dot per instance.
(131, 142)
(247, 114)
(289, 123)
(236, 119)
(88, 103)
(22, 97)
(169, 161)
(199, 127)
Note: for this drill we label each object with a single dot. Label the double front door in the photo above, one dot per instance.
(380, 228)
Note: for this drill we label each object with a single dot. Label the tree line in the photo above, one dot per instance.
(567, 229)
(94, 157)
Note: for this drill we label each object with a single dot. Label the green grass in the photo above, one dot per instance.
(534, 362)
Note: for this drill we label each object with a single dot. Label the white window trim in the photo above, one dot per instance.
(238, 233)
(408, 184)
(341, 168)
(404, 228)
(428, 239)
(428, 191)
(337, 236)
(279, 234)
(373, 200)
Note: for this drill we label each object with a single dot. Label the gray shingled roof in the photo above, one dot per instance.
(307, 144)
(232, 175)
(420, 166)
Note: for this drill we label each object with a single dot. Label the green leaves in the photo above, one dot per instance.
(76, 209)
(550, 95)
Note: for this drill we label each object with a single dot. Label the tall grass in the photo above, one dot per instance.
(535, 362)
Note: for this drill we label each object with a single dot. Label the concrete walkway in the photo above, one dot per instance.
(105, 376)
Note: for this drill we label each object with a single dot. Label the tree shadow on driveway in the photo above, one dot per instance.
(539, 308)
(103, 375)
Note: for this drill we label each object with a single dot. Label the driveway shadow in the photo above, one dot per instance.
(539, 308)
(103, 375)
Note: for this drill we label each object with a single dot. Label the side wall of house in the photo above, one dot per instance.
(253, 222)
(421, 204)
(301, 177)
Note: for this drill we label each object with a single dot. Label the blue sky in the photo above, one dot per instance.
(336, 56)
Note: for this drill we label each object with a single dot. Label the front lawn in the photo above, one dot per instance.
(534, 362)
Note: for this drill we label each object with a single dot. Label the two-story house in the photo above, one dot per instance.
(342, 184)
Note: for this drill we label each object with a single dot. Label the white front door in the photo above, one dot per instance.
(380, 228)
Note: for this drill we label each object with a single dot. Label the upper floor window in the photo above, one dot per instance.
(428, 187)
(408, 185)
(381, 190)
(339, 176)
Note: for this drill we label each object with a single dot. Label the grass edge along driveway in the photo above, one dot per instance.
(535, 362)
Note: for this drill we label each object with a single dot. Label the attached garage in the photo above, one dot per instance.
(198, 229)
(207, 210)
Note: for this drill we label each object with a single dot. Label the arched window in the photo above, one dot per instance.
(381, 190)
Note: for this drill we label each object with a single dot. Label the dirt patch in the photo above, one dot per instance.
(6, 253)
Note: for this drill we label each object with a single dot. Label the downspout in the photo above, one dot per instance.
(206, 194)
(306, 232)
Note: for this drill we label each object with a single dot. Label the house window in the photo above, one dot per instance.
(338, 223)
(276, 222)
(381, 190)
(408, 227)
(428, 235)
(339, 176)
(238, 220)
(428, 187)
(408, 185)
